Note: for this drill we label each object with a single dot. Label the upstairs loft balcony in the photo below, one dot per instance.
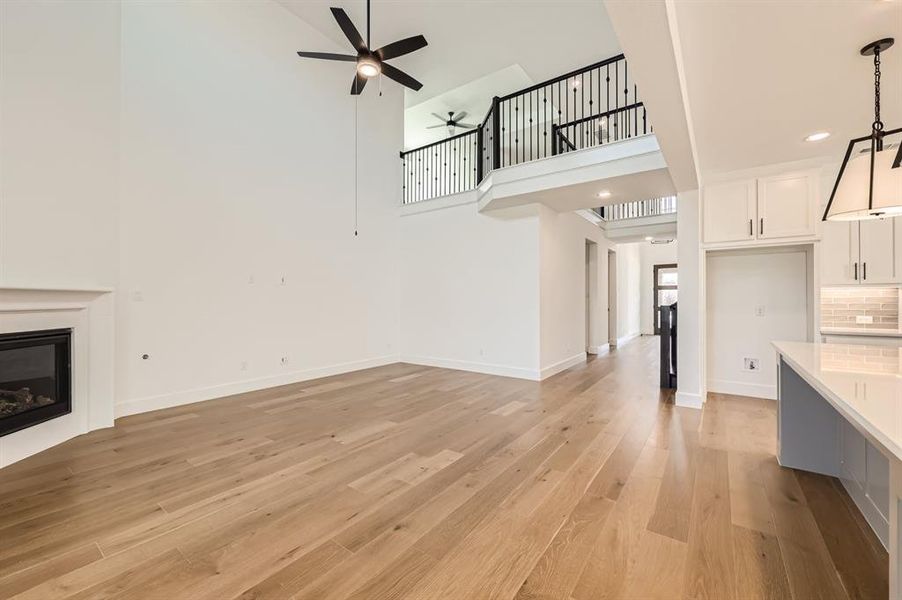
(585, 115)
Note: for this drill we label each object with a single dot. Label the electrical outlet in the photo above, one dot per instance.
(284, 360)
(283, 280)
(759, 311)
(864, 319)
(752, 364)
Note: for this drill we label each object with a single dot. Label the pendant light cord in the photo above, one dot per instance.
(878, 124)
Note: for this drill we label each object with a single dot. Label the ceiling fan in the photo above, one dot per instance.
(453, 121)
(371, 62)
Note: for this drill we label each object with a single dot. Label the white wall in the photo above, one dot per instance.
(563, 238)
(740, 286)
(237, 172)
(59, 118)
(628, 296)
(470, 287)
(504, 291)
(651, 255)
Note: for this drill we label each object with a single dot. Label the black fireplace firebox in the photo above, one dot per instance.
(35, 378)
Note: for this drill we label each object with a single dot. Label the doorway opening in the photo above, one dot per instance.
(612, 299)
(664, 292)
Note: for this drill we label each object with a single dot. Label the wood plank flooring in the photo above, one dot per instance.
(424, 483)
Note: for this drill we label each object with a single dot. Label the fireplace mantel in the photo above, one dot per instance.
(89, 313)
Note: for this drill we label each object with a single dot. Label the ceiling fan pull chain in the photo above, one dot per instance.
(356, 177)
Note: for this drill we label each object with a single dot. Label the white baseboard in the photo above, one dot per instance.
(688, 400)
(739, 388)
(149, 403)
(599, 350)
(562, 365)
(475, 367)
(627, 337)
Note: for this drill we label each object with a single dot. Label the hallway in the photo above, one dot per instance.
(415, 482)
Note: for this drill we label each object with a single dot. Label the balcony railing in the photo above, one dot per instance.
(588, 107)
(638, 209)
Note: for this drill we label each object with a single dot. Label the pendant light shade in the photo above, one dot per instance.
(869, 184)
(855, 197)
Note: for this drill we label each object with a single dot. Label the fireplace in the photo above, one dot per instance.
(34, 378)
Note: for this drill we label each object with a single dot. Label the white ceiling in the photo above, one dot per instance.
(762, 75)
(469, 39)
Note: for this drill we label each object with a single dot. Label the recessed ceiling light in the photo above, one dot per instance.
(604, 194)
(816, 137)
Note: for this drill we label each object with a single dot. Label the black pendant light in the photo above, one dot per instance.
(869, 184)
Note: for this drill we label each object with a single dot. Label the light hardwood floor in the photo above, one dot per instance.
(423, 483)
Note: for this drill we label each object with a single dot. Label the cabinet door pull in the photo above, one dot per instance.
(751, 232)
(761, 232)
(856, 272)
(864, 271)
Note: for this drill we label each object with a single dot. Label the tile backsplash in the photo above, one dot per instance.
(841, 305)
(861, 359)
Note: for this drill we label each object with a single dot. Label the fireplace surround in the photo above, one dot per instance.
(35, 378)
(88, 313)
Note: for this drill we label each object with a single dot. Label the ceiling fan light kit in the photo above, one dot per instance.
(370, 63)
(869, 184)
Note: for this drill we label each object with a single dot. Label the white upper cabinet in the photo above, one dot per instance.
(877, 251)
(786, 205)
(730, 211)
(868, 252)
(839, 253)
(761, 210)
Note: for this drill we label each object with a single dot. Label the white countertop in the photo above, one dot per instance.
(863, 383)
(851, 331)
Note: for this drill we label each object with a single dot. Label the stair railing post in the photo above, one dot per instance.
(480, 152)
(496, 132)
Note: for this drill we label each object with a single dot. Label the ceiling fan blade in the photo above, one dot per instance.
(465, 125)
(344, 21)
(439, 117)
(436, 126)
(401, 47)
(328, 56)
(400, 76)
(357, 84)
(462, 114)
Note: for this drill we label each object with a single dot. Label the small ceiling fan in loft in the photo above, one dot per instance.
(371, 63)
(452, 122)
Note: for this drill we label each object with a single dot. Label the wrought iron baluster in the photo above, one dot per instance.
(582, 104)
(545, 121)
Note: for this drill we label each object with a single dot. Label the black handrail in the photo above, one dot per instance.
(541, 120)
(559, 78)
(444, 141)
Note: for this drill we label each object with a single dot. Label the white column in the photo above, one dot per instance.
(691, 315)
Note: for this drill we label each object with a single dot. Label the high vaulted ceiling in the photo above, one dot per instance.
(469, 39)
(761, 75)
